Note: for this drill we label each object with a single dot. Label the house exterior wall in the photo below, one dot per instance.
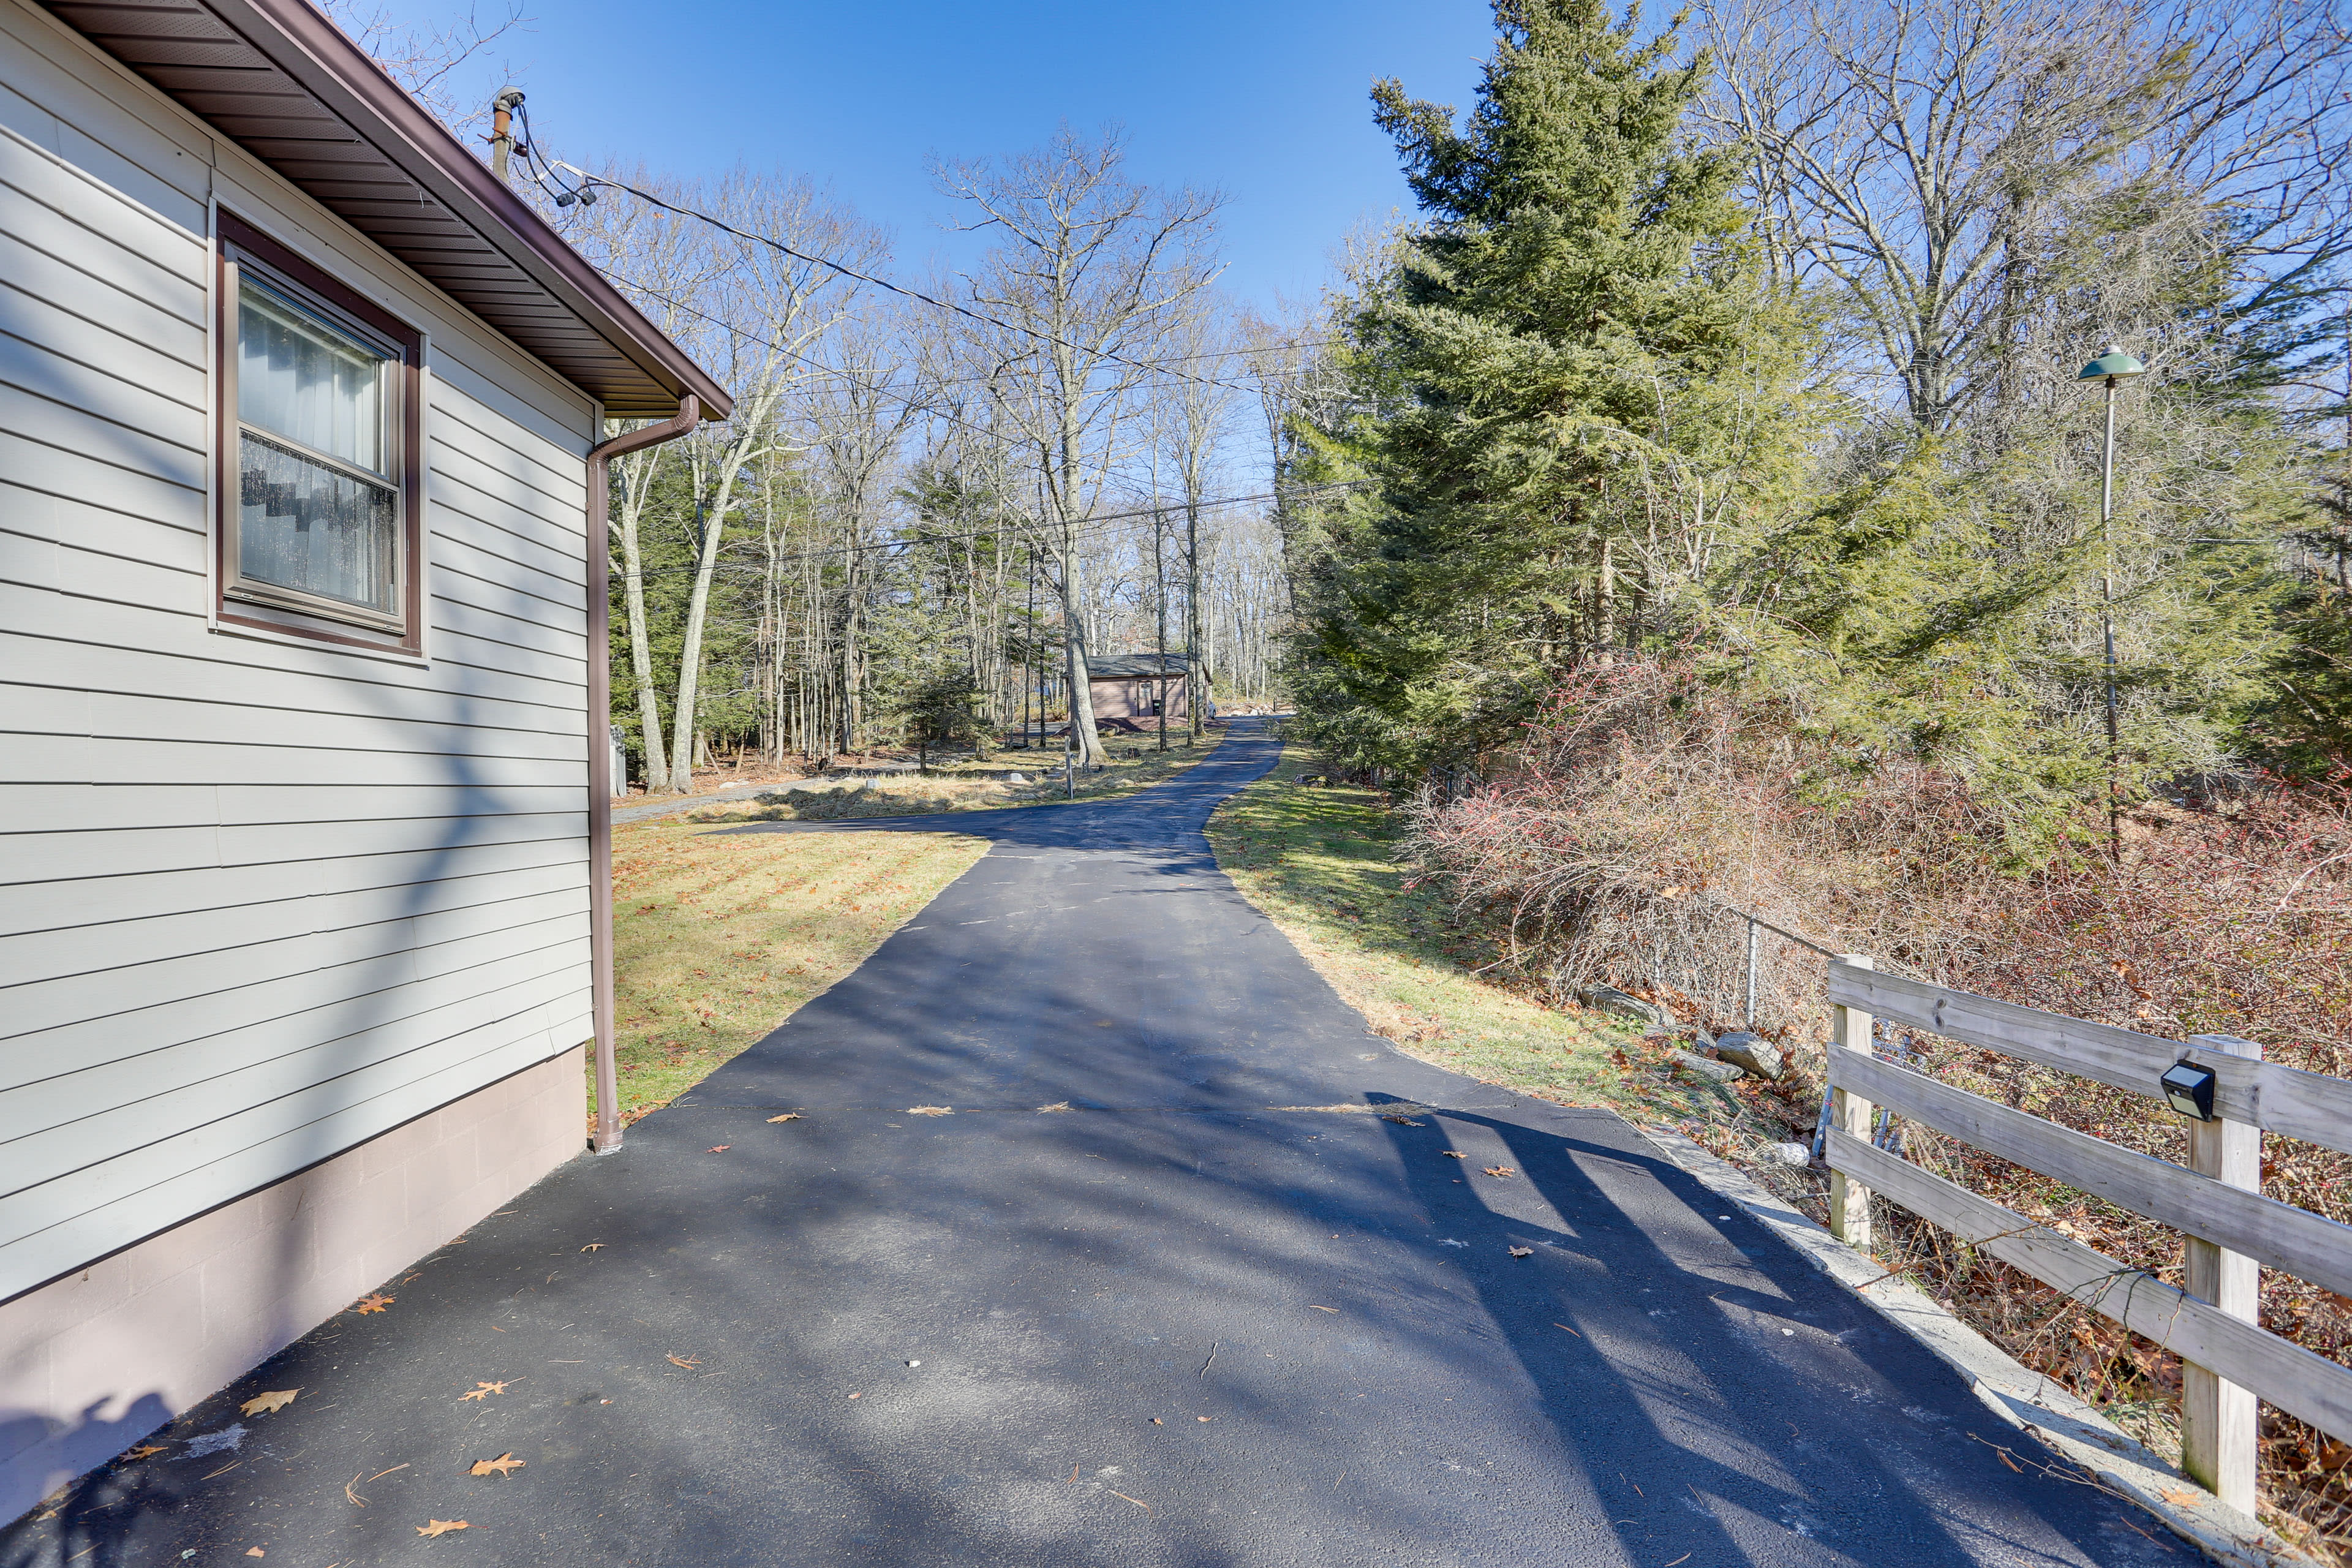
(154, 1328)
(262, 900)
(1127, 698)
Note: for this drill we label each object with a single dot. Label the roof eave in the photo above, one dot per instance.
(304, 43)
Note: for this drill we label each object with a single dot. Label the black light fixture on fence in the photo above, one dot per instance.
(2189, 1089)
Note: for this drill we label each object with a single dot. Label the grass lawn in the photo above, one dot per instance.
(719, 939)
(1319, 863)
(1136, 763)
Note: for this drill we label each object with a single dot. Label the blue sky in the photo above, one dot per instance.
(1264, 102)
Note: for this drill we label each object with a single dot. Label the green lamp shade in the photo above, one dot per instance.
(2112, 361)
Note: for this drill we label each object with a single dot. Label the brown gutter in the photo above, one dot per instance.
(310, 48)
(600, 753)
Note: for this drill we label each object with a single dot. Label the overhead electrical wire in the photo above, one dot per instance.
(584, 192)
(652, 292)
(1084, 524)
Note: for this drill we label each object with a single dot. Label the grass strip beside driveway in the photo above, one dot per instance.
(1320, 864)
(717, 939)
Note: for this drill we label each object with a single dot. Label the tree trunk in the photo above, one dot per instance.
(634, 487)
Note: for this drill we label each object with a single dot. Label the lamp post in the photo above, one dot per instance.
(2112, 366)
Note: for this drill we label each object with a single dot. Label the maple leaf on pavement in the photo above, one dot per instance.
(1454, 1153)
(483, 1391)
(504, 1464)
(376, 1303)
(594, 1247)
(144, 1451)
(263, 1403)
(930, 1110)
(720, 1150)
(1500, 1171)
(442, 1526)
(787, 1116)
(1523, 1252)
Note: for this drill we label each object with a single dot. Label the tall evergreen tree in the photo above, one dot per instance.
(1564, 377)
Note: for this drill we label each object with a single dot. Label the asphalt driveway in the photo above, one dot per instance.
(1102, 1232)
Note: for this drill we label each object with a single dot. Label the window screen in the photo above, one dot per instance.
(319, 512)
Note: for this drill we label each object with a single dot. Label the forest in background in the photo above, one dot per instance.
(937, 501)
(933, 507)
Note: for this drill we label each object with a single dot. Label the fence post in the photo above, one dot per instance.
(2218, 1417)
(1850, 1114)
(1748, 1018)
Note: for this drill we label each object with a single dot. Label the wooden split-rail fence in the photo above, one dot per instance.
(2230, 1231)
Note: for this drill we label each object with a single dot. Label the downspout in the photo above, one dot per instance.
(600, 753)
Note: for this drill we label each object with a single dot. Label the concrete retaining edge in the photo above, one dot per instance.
(2065, 1424)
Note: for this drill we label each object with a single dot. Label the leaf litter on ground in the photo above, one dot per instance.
(264, 1404)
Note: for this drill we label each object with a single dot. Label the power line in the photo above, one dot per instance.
(1100, 520)
(650, 292)
(588, 180)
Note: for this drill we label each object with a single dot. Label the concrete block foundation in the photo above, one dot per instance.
(92, 1362)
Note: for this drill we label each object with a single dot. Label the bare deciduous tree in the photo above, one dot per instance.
(1087, 269)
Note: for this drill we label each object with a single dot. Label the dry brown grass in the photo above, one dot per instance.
(718, 938)
(1134, 765)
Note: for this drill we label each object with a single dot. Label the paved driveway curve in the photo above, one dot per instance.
(1155, 1291)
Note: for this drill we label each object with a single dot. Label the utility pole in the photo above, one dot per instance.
(1159, 598)
(1196, 687)
(503, 129)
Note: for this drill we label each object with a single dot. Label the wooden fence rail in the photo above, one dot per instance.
(2232, 1230)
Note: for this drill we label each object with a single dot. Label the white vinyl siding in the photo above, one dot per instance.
(260, 900)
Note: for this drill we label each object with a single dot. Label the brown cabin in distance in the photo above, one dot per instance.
(1131, 684)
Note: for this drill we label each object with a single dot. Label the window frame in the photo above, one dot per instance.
(267, 606)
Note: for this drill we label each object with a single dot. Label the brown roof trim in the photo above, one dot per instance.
(308, 50)
(334, 67)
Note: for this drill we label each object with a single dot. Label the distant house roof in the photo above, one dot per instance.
(1135, 665)
(277, 78)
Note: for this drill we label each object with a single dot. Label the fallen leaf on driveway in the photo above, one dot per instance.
(787, 1116)
(144, 1451)
(442, 1526)
(1523, 1252)
(263, 1403)
(504, 1464)
(2181, 1497)
(376, 1303)
(594, 1247)
(720, 1150)
(483, 1391)
(930, 1110)
(1500, 1171)
(1323, 1308)
(689, 1361)
(1057, 1105)
(255, 1552)
(1454, 1153)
